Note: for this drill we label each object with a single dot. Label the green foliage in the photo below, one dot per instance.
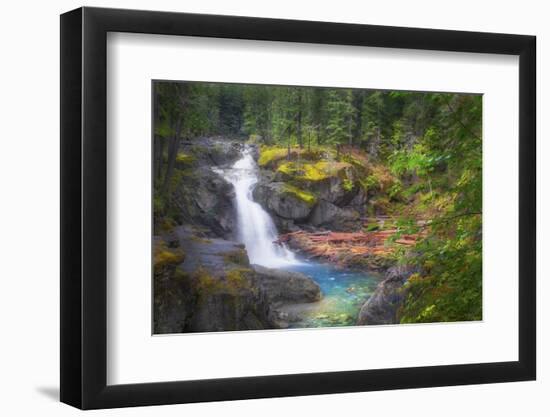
(450, 289)
(341, 116)
(347, 184)
(448, 160)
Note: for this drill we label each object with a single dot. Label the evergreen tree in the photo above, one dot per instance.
(340, 116)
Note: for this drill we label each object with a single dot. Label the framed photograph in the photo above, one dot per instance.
(257, 208)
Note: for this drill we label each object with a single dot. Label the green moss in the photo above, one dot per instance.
(303, 195)
(312, 171)
(288, 168)
(164, 225)
(202, 240)
(302, 171)
(348, 184)
(206, 283)
(164, 256)
(238, 257)
(237, 279)
(270, 154)
(183, 158)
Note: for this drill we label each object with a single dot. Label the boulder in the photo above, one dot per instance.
(282, 286)
(382, 306)
(283, 200)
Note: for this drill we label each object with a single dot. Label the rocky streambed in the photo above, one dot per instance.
(204, 280)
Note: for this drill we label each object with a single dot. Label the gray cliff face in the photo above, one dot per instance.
(382, 306)
(230, 309)
(201, 197)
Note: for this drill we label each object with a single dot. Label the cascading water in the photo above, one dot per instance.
(344, 292)
(255, 227)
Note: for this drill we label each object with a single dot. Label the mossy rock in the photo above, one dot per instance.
(184, 160)
(164, 256)
(313, 171)
(271, 154)
(302, 195)
(237, 257)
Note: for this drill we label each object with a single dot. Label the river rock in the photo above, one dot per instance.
(382, 306)
(282, 286)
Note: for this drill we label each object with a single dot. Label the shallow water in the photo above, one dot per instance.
(344, 293)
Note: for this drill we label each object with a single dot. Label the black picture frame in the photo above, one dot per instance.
(84, 207)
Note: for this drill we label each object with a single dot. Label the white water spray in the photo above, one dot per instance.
(255, 227)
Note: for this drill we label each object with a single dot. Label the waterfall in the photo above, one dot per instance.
(255, 226)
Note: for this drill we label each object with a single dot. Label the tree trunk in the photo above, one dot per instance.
(288, 149)
(172, 154)
(318, 134)
(350, 135)
(156, 158)
(158, 167)
(299, 121)
(358, 100)
(157, 148)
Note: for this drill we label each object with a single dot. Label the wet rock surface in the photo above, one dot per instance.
(282, 286)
